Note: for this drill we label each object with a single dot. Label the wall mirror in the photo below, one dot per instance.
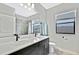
(21, 25)
(36, 26)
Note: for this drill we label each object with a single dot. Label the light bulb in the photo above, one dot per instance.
(29, 4)
(32, 5)
(25, 6)
(21, 4)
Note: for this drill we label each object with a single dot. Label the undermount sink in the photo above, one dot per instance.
(26, 41)
(30, 38)
(35, 39)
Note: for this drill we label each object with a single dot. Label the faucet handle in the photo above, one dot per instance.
(16, 36)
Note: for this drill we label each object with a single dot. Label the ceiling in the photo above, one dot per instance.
(25, 12)
(21, 10)
(49, 5)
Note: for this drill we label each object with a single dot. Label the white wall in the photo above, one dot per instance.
(4, 9)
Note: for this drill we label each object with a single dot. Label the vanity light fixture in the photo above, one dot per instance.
(32, 5)
(29, 6)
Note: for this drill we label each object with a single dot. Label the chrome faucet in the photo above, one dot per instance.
(35, 34)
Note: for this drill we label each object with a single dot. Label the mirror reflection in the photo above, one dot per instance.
(38, 27)
(24, 27)
(21, 26)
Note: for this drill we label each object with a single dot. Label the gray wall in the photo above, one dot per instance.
(71, 41)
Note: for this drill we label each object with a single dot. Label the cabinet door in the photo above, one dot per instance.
(46, 46)
(41, 47)
(36, 49)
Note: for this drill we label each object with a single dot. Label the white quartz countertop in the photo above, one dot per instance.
(11, 47)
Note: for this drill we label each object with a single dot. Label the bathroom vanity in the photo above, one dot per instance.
(26, 46)
(38, 47)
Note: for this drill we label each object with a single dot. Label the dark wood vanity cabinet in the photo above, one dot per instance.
(39, 48)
